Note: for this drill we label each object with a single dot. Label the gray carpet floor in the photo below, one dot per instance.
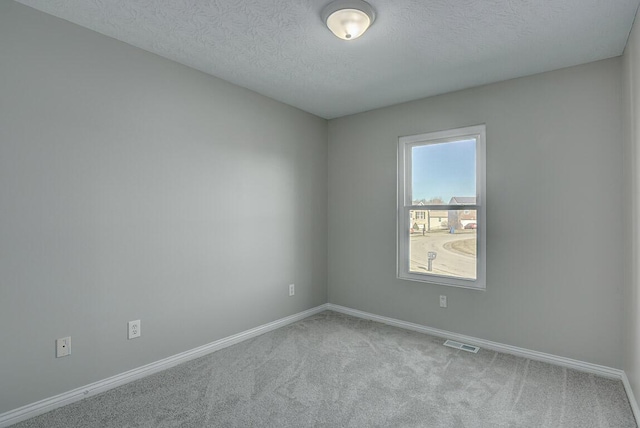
(333, 370)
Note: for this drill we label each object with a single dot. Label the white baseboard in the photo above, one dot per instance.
(582, 366)
(20, 414)
(43, 406)
(632, 399)
(495, 346)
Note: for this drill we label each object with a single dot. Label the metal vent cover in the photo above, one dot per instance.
(462, 346)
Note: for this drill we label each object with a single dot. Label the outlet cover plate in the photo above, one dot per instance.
(63, 347)
(134, 329)
(292, 289)
(443, 301)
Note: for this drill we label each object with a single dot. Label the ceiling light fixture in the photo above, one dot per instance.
(348, 19)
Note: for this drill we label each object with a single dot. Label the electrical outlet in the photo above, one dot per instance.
(63, 347)
(292, 289)
(134, 329)
(443, 301)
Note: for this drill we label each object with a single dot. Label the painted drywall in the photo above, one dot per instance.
(554, 202)
(132, 187)
(631, 70)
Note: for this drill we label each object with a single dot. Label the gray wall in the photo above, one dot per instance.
(631, 64)
(134, 187)
(554, 202)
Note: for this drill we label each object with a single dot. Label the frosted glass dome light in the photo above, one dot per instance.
(348, 19)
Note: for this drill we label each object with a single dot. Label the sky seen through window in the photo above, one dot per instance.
(444, 170)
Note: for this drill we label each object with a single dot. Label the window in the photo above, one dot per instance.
(442, 175)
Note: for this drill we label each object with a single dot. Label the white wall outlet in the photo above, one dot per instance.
(63, 347)
(292, 289)
(443, 301)
(134, 329)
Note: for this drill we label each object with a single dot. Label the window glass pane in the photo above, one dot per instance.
(444, 173)
(448, 238)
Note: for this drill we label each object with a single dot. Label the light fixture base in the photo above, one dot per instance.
(357, 17)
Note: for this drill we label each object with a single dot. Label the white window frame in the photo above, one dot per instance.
(405, 145)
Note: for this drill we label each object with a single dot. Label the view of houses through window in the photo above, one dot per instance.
(451, 234)
(441, 233)
(443, 241)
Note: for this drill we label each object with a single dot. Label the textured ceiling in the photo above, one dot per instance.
(416, 48)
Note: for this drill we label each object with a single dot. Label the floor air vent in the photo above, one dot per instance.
(463, 346)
